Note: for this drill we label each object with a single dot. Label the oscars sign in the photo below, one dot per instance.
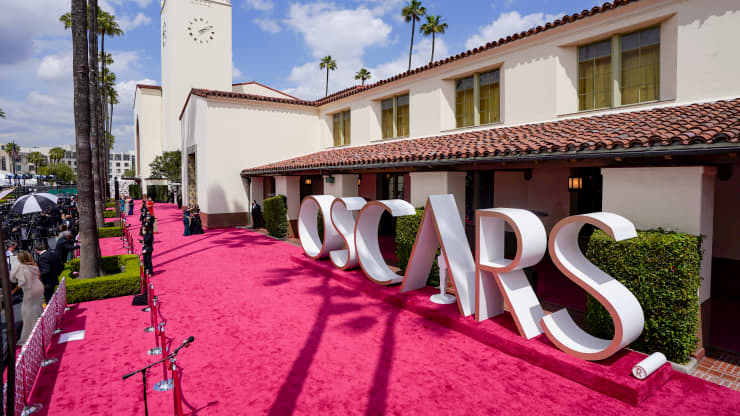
(488, 281)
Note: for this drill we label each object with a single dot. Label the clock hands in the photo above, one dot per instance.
(205, 29)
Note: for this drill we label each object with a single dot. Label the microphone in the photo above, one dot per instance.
(185, 343)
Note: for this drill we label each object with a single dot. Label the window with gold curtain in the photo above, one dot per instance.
(464, 89)
(594, 75)
(337, 129)
(386, 114)
(402, 115)
(489, 97)
(641, 66)
(346, 128)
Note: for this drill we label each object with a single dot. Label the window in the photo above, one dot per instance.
(394, 113)
(118, 164)
(4, 164)
(341, 128)
(486, 109)
(464, 90)
(641, 66)
(595, 75)
(489, 97)
(628, 63)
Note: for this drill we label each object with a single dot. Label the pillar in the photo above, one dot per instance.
(673, 198)
(290, 186)
(341, 185)
(424, 184)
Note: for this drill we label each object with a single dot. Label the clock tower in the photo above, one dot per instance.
(196, 53)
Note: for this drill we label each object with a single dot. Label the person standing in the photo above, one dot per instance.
(10, 253)
(147, 247)
(186, 221)
(122, 203)
(50, 268)
(256, 215)
(65, 246)
(27, 274)
(150, 207)
(130, 205)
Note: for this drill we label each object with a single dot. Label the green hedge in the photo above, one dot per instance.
(126, 282)
(110, 213)
(110, 204)
(108, 232)
(406, 229)
(662, 270)
(276, 216)
(134, 191)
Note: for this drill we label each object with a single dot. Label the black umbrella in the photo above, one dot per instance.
(29, 204)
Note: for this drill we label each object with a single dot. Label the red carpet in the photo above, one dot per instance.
(275, 334)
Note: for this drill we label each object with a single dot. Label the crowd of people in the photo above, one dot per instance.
(191, 220)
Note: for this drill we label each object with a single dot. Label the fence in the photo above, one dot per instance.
(33, 354)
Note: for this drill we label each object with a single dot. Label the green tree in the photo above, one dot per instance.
(330, 65)
(129, 173)
(167, 165)
(61, 172)
(2, 113)
(90, 264)
(433, 26)
(363, 74)
(56, 154)
(37, 159)
(413, 13)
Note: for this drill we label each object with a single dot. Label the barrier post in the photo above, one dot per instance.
(176, 378)
(160, 341)
(152, 309)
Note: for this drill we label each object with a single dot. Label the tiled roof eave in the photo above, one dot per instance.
(650, 151)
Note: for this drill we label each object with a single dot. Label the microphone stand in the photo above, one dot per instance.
(143, 371)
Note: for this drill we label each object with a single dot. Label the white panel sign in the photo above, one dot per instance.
(344, 222)
(308, 230)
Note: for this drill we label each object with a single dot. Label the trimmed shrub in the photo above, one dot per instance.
(110, 213)
(662, 270)
(107, 232)
(134, 191)
(110, 204)
(276, 216)
(406, 229)
(126, 282)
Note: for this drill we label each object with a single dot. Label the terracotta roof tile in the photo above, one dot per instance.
(706, 123)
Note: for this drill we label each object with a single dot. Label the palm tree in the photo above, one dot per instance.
(89, 250)
(432, 27)
(96, 114)
(329, 64)
(56, 154)
(2, 113)
(411, 13)
(37, 159)
(363, 74)
(12, 150)
(107, 25)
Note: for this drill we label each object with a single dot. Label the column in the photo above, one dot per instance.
(424, 184)
(290, 186)
(673, 198)
(341, 185)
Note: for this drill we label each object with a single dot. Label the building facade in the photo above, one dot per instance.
(632, 107)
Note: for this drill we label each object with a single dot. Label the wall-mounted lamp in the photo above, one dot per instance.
(330, 179)
(575, 183)
(307, 181)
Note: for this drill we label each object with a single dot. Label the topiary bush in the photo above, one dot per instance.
(125, 282)
(107, 232)
(406, 229)
(662, 270)
(276, 216)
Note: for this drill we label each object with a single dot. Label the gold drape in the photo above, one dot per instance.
(489, 103)
(337, 130)
(402, 120)
(347, 127)
(641, 74)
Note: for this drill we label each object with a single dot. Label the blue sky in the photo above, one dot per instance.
(275, 42)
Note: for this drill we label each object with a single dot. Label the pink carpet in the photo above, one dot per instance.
(276, 334)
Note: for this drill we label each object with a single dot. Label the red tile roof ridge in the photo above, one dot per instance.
(265, 86)
(683, 124)
(148, 86)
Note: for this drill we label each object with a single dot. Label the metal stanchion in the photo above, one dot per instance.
(168, 383)
(153, 310)
(159, 340)
(176, 377)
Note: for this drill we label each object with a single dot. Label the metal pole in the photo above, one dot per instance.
(9, 359)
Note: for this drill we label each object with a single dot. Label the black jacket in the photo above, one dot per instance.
(64, 246)
(148, 244)
(50, 268)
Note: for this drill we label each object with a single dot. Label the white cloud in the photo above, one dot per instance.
(235, 72)
(341, 33)
(128, 24)
(421, 56)
(267, 25)
(262, 5)
(55, 67)
(507, 24)
(124, 62)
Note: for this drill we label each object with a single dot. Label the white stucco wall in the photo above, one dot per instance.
(546, 193)
(148, 116)
(424, 184)
(343, 186)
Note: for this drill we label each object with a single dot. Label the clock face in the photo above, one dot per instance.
(200, 31)
(164, 34)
